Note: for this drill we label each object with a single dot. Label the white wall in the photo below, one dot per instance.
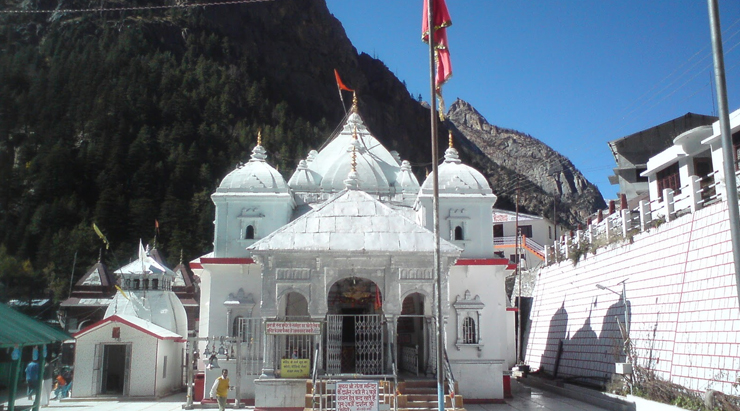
(680, 284)
(479, 369)
(143, 356)
(171, 380)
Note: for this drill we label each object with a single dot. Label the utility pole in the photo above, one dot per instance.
(728, 153)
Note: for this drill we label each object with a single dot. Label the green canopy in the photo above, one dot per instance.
(21, 330)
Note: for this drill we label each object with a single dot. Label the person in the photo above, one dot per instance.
(220, 389)
(32, 377)
(60, 388)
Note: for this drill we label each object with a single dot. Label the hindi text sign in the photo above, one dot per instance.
(357, 396)
(292, 328)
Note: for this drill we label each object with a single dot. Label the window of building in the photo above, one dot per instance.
(736, 146)
(498, 230)
(668, 178)
(638, 177)
(526, 230)
(459, 233)
(469, 336)
(136, 284)
(155, 284)
(146, 284)
(469, 311)
(249, 233)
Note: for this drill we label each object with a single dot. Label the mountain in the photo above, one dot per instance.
(124, 117)
(541, 169)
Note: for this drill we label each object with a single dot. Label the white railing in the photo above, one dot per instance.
(622, 224)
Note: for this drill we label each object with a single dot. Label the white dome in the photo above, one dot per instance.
(256, 176)
(457, 178)
(406, 180)
(370, 177)
(304, 179)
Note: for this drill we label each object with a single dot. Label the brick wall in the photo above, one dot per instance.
(681, 298)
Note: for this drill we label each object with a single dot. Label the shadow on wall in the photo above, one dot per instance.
(585, 354)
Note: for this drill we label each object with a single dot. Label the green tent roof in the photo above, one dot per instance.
(20, 329)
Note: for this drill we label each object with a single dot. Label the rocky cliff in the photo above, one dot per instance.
(538, 168)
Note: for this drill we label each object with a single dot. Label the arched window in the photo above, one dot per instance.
(249, 233)
(458, 233)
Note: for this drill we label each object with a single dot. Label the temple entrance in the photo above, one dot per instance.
(411, 335)
(355, 332)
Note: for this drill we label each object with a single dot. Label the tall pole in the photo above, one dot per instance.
(435, 207)
(728, 153)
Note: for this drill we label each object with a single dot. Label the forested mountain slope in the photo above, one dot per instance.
(122, 118)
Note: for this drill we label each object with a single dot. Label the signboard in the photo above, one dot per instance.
(292, 328)
(294, 368)
(357, 396)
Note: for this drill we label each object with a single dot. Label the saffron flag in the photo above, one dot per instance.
(156, 226)
(102, 237)
(442, 20)
(340, 84)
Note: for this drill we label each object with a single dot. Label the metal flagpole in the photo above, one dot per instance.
(435, 206)
(728, 153)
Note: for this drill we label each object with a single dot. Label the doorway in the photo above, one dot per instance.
(355, 332)
(114, 369)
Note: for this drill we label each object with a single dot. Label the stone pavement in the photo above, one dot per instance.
(538, 399)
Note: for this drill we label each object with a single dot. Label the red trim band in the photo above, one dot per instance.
(224, 260)
(482, 261)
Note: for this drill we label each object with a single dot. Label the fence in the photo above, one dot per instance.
(621, 225)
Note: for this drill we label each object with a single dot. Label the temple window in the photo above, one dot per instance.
(155, 284)
(136, 284)
(249, 233)
(468, 330)
(459, 233)
(469, 311)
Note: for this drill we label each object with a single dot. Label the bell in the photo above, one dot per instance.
(206, 352)
(221, 350)
(212, 362)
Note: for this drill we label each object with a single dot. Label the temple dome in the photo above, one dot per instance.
(457, 178)
(256, 176)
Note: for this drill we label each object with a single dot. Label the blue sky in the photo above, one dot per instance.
(574, 74)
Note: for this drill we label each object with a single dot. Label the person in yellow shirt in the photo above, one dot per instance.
(220, 389)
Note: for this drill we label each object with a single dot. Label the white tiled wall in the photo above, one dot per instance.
(685, 319)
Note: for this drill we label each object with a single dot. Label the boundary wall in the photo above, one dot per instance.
(682, 307)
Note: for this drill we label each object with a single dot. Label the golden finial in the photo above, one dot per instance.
(259, 136)
(354, 133)
(354, 159)
(354, 102)
(450, 138)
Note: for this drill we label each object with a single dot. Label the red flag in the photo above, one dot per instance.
(442, 20)
(339, 82)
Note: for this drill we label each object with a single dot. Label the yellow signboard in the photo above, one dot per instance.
(294, 368)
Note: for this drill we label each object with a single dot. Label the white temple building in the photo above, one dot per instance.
(136, 349)
(347, 245)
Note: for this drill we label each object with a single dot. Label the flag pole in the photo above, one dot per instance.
(435, 206)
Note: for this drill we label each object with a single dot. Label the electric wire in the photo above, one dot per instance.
(179, 5)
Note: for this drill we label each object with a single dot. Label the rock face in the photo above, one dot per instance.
(536, 162)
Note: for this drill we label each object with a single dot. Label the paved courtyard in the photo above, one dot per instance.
(538, 400)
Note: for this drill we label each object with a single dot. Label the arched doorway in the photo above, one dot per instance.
(293, 306)
(355, 333)
(410, 335)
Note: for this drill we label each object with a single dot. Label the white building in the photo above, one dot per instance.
(690, 173)
(136, 349)
(537, 233)
(347, 243)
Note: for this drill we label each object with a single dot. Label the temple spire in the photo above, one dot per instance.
(354, 102)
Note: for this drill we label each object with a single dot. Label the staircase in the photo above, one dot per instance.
(412, 395)
(421, 395)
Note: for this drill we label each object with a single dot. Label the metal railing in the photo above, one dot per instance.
(620, 225)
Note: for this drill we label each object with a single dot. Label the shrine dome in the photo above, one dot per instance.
(256, 176)
(457, 178)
